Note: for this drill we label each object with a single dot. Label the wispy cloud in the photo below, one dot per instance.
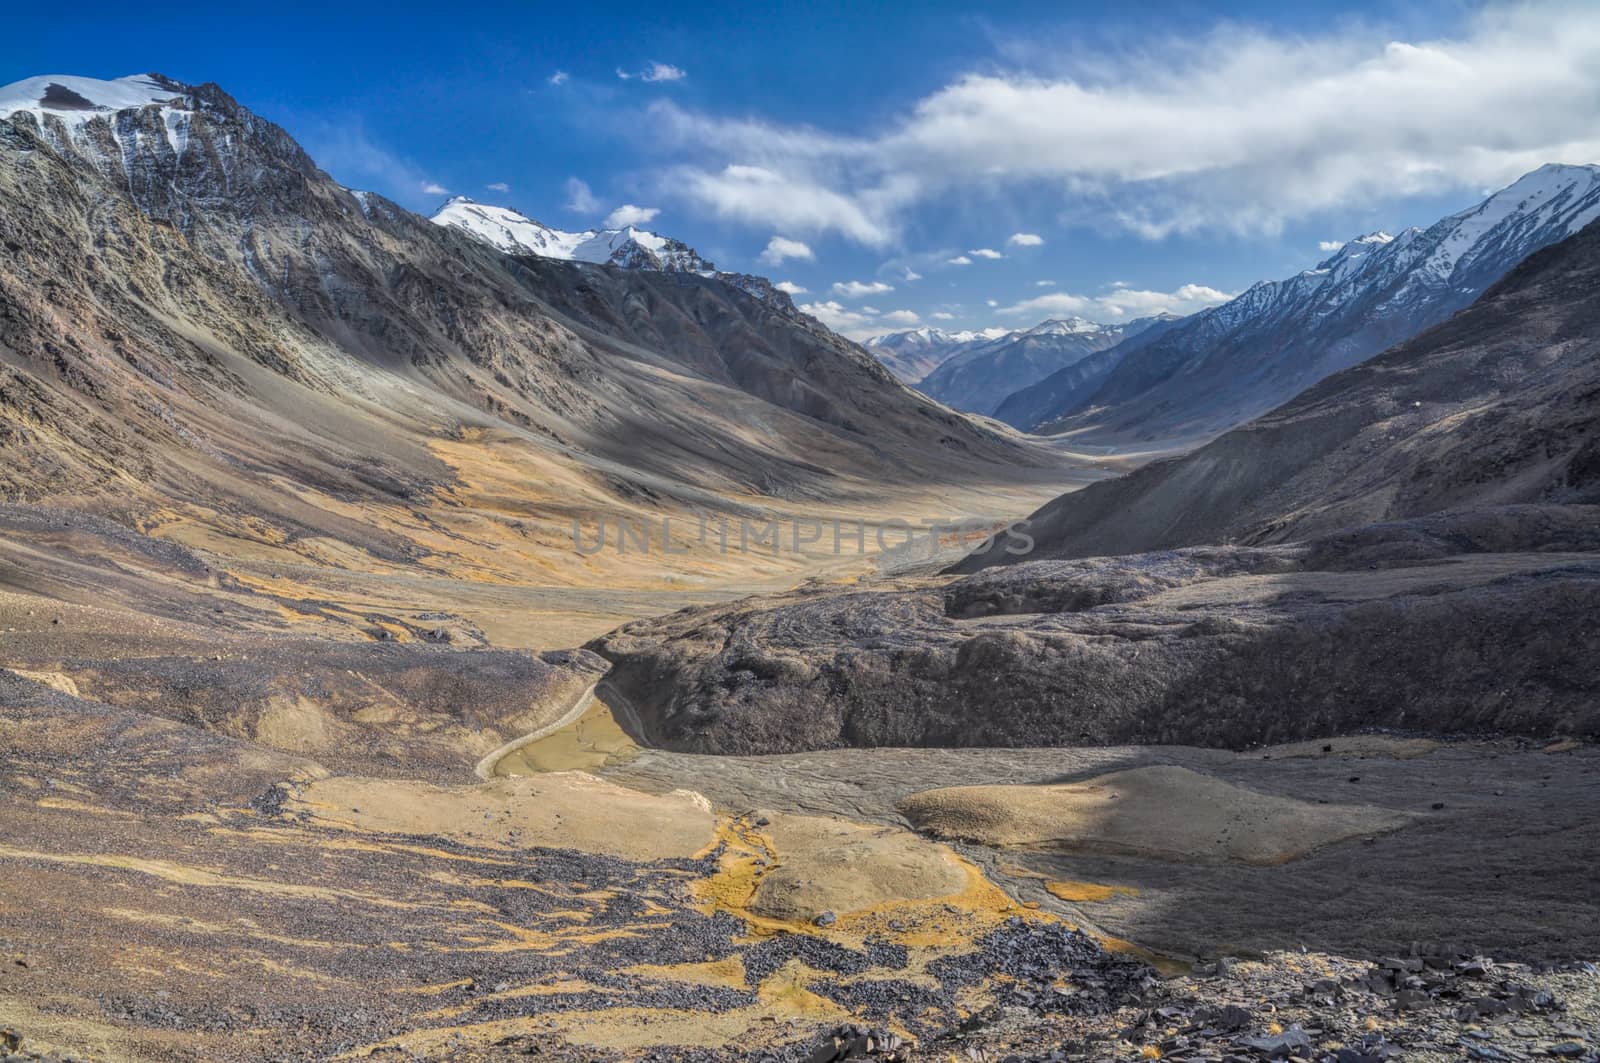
(781, 248)
(628, 214)
(959, 260)
(653, 72)
(579, 197)
(498, 186)
(1119, 303)
(560, 77)
(1236, 130)
(861, 289)
(434, 188)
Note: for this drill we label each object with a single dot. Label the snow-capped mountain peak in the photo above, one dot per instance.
(515, 233)
(64, 104)
(1067, 326)
(75, 100)
(1234, 361)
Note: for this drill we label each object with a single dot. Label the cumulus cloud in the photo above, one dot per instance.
(560, 77)
(1025, 240)
(859, 323)
(662, 72)
(985, 252)
(791, 287)
(959, 260)
(498, 186)
(1330, 245)
(781, 248)
(1235, 130)
(1119, 303)
(860, 289)
(434, 188)
(580, 199)
(628, 214)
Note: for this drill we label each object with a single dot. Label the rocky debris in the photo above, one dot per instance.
(856, 1042)
(14, 1048)
(1320, 1008)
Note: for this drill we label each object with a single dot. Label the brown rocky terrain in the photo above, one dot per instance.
(1446, 625)
(294, 765)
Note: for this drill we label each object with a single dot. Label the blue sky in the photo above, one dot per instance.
(938, 163)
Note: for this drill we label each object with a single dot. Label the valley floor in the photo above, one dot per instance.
(221, 841)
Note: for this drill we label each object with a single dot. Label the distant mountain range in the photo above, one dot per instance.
(914, 353)
(1498, 406)
(1222, 366)
(976, 370)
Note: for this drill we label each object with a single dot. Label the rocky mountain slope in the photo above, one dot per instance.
(914, 353)
(1498, 405)
(203, 335)
(980, 377)
(1235, 361)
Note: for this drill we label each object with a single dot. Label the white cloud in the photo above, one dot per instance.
(1236, 130)
(434, 188)
(780, 248)
(959, 260)
(1330, 245)
(1044, 284)
(628, 214)
(1024, 240)
(985, 252)
(662, 72)
(859, 323)
(791, 287)
(580, 198)
(992, 302)
(760, 196)
(911, 276)
(560, 77)
(498, 186)
(858, 289)
(1119, 303)
(623, 75)
(940, 315)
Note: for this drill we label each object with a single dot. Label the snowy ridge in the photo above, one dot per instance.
(515, 233)
(1232, 362)
(71, 103)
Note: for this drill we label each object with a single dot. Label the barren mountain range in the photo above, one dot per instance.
(324, 739)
